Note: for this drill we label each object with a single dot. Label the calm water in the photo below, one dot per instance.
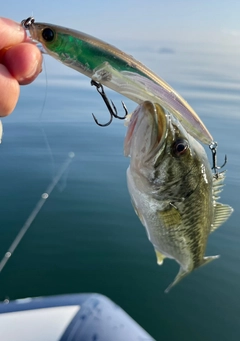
(87, 237)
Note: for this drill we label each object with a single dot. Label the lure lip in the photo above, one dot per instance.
(41, 48)
(131, 127)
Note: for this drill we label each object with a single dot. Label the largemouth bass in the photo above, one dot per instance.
(117, 70)
(172, 188)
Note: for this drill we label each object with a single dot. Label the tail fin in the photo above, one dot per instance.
(182, 273)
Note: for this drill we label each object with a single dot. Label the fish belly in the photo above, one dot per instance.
(167, 240)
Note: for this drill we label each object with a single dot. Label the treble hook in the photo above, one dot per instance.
(213, 147)
(112, 109)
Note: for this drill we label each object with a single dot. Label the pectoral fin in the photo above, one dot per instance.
(160, 257)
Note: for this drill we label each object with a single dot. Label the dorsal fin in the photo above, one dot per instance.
(218, 185)
(221, 214)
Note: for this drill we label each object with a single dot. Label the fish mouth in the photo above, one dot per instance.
(147, 130)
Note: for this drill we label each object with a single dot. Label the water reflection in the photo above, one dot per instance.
(87, 237)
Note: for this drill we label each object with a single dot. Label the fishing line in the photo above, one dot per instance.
(45, 138)
(45, 195)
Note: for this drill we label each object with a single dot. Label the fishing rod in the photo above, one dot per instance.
(44, 196)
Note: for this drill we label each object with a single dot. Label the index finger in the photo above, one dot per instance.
(11, 33)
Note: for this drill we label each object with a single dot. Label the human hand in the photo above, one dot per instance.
(20, 63)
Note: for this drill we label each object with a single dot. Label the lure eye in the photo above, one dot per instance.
(48, 34)
(180, 147)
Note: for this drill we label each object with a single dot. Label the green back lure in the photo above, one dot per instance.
(115, 69)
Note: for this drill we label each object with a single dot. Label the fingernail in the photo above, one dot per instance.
(12, 24)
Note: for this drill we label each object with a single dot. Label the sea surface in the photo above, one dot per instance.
(86, 237)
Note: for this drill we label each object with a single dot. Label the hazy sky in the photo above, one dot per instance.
(142, 28)
(201, 34)
(139, 20)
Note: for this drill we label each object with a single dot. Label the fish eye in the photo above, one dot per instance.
(48, 34)
(179, 147)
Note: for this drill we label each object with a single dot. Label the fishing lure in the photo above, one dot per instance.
(105, 64)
